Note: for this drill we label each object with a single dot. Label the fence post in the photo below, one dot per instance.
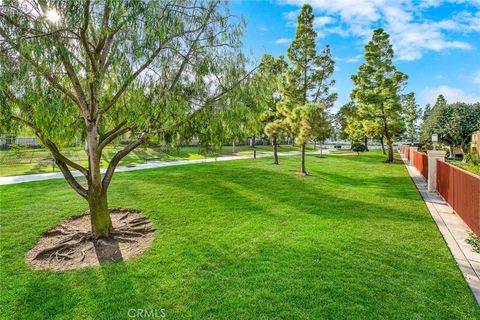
(412, 150)
(433, 156)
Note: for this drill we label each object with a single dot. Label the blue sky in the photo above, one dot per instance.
(437, 43)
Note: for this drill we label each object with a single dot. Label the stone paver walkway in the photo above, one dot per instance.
(453, 230)
(149, 165)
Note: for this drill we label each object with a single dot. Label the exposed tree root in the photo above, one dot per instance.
(70, 244)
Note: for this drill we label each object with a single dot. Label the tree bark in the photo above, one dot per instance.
(314, 145)
(303, 159)
(382, 145)
(275, 150)
(97, 192)
(99, 213)
(253, 146)
(390, 150)
(452, 152)
(365, 141)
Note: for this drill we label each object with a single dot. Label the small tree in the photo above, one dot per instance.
(411, 114)
(107, 68)
(306, 123)
(270, 76)
(377, 88)
(308, 79)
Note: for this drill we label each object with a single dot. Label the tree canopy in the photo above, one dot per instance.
(378, 85)
(97, 70)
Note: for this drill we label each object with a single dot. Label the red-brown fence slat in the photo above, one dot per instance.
(461, 189)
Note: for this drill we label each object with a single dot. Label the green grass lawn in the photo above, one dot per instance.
(246, 240)
(30, 161)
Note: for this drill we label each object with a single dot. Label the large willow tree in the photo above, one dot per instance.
(97, 70)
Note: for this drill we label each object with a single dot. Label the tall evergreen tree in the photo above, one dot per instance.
(308, 80)
(426, 112)
(411, 114)
(377, 88)
(441, 101)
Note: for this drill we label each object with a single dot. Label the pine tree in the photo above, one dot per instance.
(441, 101)
(411, 115)
(377, 88)
(426, 112)
(307, 81)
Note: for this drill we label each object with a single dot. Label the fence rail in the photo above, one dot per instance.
(461, 189)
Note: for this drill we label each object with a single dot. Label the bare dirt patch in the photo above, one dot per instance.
(70, 245)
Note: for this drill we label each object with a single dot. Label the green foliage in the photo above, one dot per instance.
(346, 112)
(358, 147)
(377, 88)
(306, 91)
(426, 112)
(308, 122)
(411, 114)
(270, 81)
(454, 123)
(474, 241)
(308, 78)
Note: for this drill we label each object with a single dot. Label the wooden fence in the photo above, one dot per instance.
(461, 189)
(420, 161)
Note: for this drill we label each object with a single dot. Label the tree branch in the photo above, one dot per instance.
(45, 74)
(131, 79)
(119, 156)
(51, 146)
(108, 137)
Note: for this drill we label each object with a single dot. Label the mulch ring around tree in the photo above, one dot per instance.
(70, 245)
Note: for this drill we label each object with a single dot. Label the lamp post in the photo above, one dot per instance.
(434, 140)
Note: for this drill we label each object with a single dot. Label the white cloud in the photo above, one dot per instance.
(451, 94)
(322, 21)
(410, 37)
(476, 77)
(349, 60)
(283, 41)
(262, 27)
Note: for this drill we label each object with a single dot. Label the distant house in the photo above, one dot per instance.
(7, 140)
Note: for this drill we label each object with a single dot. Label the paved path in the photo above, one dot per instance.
(149, 165)
(453, 230)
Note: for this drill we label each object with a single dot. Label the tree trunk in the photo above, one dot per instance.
(275, 150)
(97, 194)
(314, 145)
(382, 145)
(233, 147)
(365, 141)
(452, 152)
(253, 146)
(303, 159)
(390, 150)
(99, 213)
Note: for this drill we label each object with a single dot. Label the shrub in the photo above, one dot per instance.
(358, 147)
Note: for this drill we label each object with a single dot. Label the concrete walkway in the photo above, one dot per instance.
(453, 230)
(143, 166)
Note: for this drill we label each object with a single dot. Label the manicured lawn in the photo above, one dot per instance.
(246, 240)
(29, 161)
